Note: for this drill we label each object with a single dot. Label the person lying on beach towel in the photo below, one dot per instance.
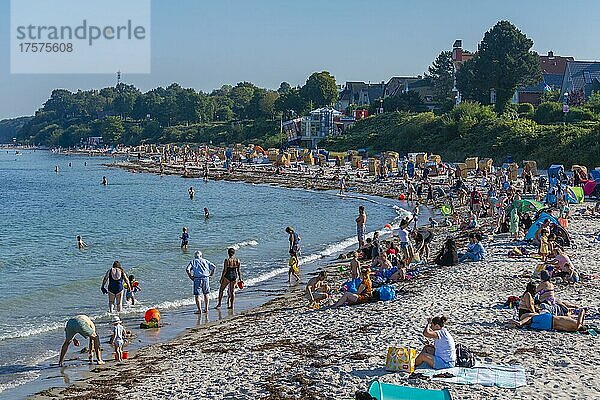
(362, 295)
(548, 322)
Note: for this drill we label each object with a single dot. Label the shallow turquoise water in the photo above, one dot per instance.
(137, 219)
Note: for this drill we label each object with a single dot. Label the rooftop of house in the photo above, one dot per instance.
(376, 90)
(551, 64)
(581, 76)
(551, 81)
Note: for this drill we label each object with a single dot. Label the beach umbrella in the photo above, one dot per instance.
(538, 222)
(574, 194)
(589, 187)
(526, 205)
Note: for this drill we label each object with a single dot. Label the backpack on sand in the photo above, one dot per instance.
(464, 357)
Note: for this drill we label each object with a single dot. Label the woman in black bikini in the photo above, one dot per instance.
(230, 276)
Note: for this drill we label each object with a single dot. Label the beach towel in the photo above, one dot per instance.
(504, 376)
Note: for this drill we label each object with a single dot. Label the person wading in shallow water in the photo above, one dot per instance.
(361, 225)
(199, 270)
(294, 240)
(229, 278)
(115, 278)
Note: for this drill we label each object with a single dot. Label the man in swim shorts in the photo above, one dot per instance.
(83, 325)
(547, 322)
(294, 239)
(361, 222)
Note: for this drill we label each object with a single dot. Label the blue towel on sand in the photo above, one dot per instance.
(504, 376)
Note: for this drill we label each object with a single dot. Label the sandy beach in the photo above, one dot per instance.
(314, 178)
(284, 350)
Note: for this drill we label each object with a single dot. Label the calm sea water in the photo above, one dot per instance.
(137, 219)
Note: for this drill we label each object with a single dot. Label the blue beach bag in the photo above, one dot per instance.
(387, 293)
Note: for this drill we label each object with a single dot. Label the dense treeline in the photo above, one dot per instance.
(247, 113)
(471, 129)
(9, 128)
(123, 114)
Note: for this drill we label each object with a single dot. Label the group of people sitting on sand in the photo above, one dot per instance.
(539, 306)
(399, 258)
(540, 309)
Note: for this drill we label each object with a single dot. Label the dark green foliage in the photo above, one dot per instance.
(552, 112)
(471, 129)
(550, 95)
(593, 103)
(440, 75)
(503, 62)
(320, 89)
(409, 101)
(525, 108)
(10, 127)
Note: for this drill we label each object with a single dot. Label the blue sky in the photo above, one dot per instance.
(204, 44)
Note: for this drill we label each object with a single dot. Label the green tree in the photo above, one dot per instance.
(124, 101)
(61, 102)
(242, 94)
(440, 75)
(110, 128)
(503, 62)
(550, 95)
(408, 101)
(266, 103)
(291, 104)
(224, 113)
(284, 88)
(593, 102)
(320, 89)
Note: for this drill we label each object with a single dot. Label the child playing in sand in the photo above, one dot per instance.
(80, 243)
(294, 267)
(135, 287)
(118, 337)
(185, 237)
(317, 290)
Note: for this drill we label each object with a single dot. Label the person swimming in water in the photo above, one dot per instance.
(80, 243)
(104, 181)
(191, 192)
(206, 213)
